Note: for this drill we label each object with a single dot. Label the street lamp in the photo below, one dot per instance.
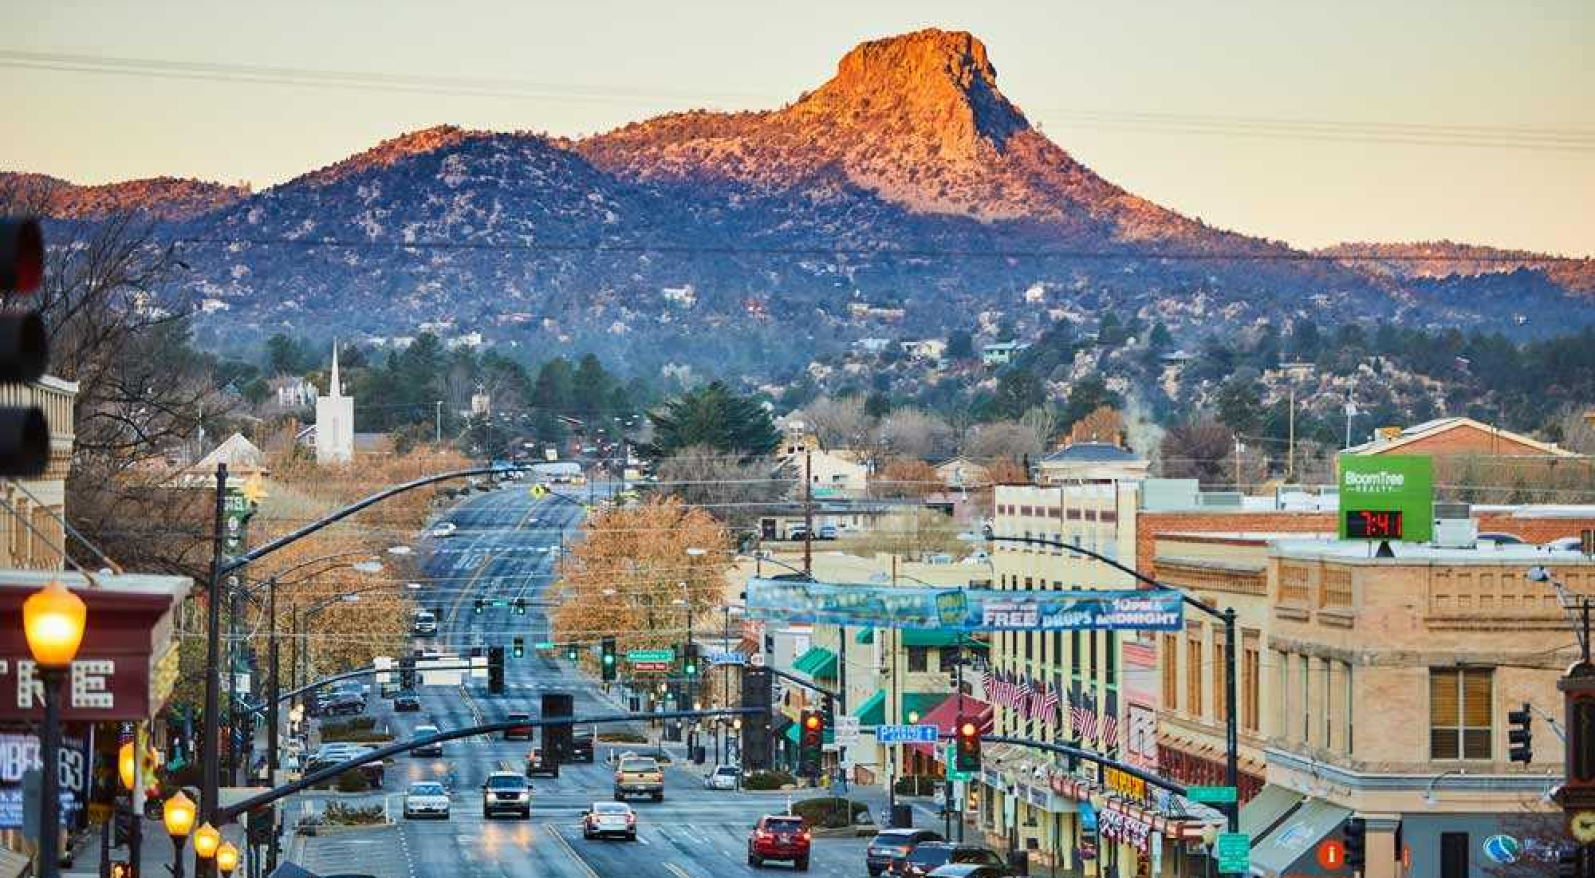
(206, 840)
(53, 620)
(178, 815)
(226, 858)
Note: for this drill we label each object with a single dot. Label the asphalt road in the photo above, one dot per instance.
(506, 546)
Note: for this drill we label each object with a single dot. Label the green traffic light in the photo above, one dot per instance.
(609, 658)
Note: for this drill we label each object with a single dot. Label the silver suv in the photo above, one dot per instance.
(506, 792)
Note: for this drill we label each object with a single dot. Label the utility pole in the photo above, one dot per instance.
(272, 718)
(438, 420)
(808, 514)
(1290, 459)
(894, 715)
(210, 751)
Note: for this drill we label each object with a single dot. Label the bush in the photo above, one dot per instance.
(768, 780)
(623, 738)
(829, 813)
(353, 815)
(918, 785)
(352, 781)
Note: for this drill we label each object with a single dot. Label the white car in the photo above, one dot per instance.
(426, 799)
(609, 818)
(724, 777)
(446, 529)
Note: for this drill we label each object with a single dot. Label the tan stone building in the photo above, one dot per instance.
(1385, 686)
(31, 534)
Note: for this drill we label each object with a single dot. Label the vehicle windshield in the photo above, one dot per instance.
(609, 808)
(726, 770)
(930, 855)
(639, 765)
(506, 782)
(423, 731)
(784, 824)
(426, 789)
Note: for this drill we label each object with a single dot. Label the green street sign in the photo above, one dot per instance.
(952, 761)
(543, 644)
(1234, 851)
(1212, 795)
(651, 655)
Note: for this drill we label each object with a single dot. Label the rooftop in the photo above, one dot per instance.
(1090, 452)
(1409, 553)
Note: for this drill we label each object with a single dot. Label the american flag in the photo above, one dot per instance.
(1110, 732)
(1049, 705)
(1084, 721)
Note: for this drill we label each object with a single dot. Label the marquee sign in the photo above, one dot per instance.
(123, 670)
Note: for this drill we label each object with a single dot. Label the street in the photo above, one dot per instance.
(502, 550)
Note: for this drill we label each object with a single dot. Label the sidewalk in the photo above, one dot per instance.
(155, 851)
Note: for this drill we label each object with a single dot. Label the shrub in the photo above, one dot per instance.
(354, 815)
(352, 781)
(831, 812)
(623, 738)
(918, 785)
(768, 780)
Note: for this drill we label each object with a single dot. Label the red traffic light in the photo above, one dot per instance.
(968, 730)
(813, 721)
(21, 255)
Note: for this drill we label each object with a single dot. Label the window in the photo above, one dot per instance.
(1113, 658)
(1092, 667)
(1220, 677)
(918, 658)
(1324, 689)
(1306, 699)
(947, 660)
(1193, 672)
(1459, 713)
(1030, 646)
(1171, 672)
(1251, 668)
(1282, 686)
(1454, 855)
(1074, 654)
(1346, 676)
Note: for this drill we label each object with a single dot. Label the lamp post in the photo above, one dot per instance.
(206, 840)
(178, 815)
(226, 858)
(53, 619)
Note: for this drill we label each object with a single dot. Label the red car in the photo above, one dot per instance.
(779, 837)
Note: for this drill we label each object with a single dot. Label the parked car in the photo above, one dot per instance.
(406, 702)
(506, 791)
(927, 857)
(724, 777)
(518, 733)
(538, 762)
(890, 845)
(434, 749)
(798, 533)
(609, 818)
(779, 837)
(426, 799)
(827, 532)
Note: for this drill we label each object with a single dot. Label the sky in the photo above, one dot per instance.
(1313, 123)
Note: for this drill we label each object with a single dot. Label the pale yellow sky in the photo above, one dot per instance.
(1473, 121)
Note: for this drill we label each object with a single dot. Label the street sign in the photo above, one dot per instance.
(1212, 795)
(1331, 854)
(1234, 851)
(847, 731)
(727, 658)
(543, 644)
(651, 655)
(951, 758)
(650, 666)
(919, 734)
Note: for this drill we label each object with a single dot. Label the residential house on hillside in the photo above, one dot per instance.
(1091, 462)
(1001, 353)
(1452, 437)
(925, 349)
(836, 473)
(962, 473)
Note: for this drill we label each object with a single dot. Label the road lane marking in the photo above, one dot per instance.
(561, 841)
(678, 871)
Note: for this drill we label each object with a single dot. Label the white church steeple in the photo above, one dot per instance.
(334, 420)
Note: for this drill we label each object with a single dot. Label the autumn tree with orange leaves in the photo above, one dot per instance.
(626, 574)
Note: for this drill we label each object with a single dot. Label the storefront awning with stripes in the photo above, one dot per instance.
(873, 711)
(818, 662)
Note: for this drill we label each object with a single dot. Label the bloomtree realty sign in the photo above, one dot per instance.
(1386, 497)
(128, 661)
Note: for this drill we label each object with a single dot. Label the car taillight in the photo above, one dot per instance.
(631, 819)
(805, 835)
(763, 835)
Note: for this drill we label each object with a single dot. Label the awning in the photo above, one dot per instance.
(945, 717)
(818, 662)
(1296, 837)
(864, 635)
(873, 711)
(12, 863)
(1265, 809)
(921, 703)
(937, 637)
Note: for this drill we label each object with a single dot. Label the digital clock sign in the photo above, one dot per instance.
(1364, 524)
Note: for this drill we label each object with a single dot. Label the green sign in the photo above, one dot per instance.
(1211, 795)
(1386, 497)
(952, 761)
(1234, 851)
(543, 644)
(651, 655)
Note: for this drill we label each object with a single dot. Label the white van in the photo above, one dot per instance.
(425, 624)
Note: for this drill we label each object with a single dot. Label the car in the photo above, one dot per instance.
(433, 749)
(424, 624)
(890, 845)
(798, 533)
(538, 762)
(518, 733)
(344, 704)
(971, 870)
(444, 530)
(639, 776)
(332, 754)
(780, 837)
(724, 777)
(827, 532)
(426, 798)
(581, 747)
(506, 791)
(928, 856)
(609, 818)
(1502, 539)
(406, 702)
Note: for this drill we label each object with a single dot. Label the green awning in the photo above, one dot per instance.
(818, 662)
(865, 635)
(921, 703)
(873, 711)
(937, 637)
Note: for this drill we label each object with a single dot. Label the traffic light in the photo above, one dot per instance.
(24, 350)
(520, 647)
(478, 605)
(967, 752)
(122, 828)
(570, 653)
(520, 606)
(407, 672)
(756, 695)
(122, 869)
(689, 661)
(1356, 842)
(811, 742)
(606, 659)
(557, 738)
(1520, 738)
(495, 670)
